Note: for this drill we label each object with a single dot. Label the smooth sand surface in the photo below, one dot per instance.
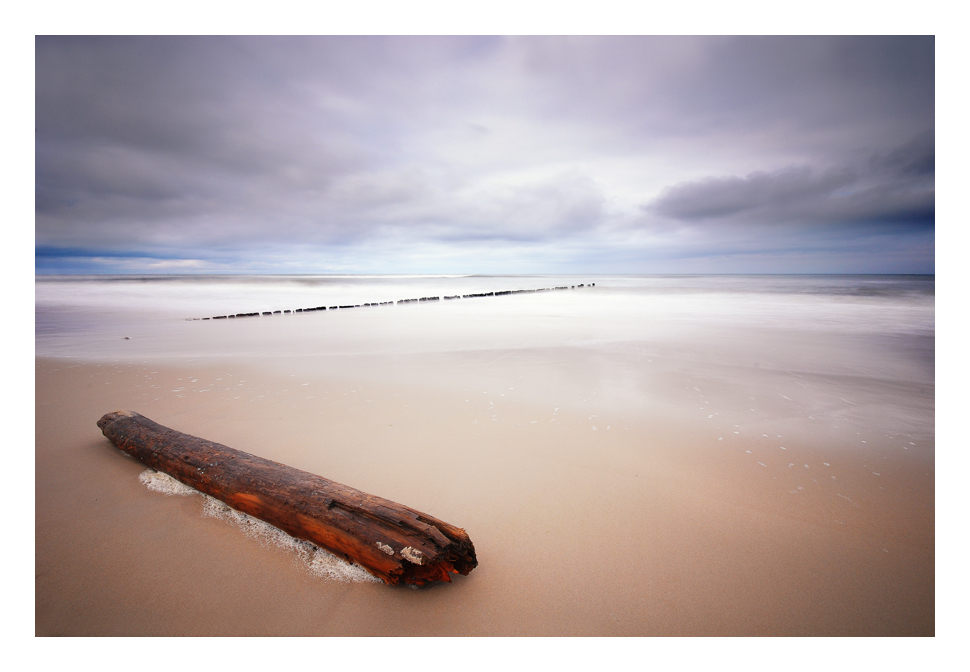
(589, 517)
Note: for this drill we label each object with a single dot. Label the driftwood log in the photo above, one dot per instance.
(391, 541)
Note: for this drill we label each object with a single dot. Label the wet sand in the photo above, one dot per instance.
(590, 516)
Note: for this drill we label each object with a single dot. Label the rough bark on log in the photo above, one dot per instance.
(393, 542)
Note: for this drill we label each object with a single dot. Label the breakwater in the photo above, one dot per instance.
(292, 311)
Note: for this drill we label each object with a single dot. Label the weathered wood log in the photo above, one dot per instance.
(391, 541)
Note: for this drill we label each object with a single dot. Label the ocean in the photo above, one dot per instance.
(626, 336)
(879, 327)
(82, 315)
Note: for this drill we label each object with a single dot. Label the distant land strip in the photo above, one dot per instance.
(389, 303)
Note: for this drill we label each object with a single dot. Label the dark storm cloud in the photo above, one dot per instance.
(916, 158)
(222, 148)
(721, 197)
(896, 187)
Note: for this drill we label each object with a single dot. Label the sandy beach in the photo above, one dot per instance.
(627, 490)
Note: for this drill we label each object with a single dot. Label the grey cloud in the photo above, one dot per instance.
(821, 94)
(714, 198)
(916, 158)
(566, 204)
(895, 187)
(276, 134)
(408, 205)
(227, 145)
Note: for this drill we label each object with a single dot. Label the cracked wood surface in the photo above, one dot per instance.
(392, 541)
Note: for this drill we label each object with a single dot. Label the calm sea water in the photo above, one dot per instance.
(90, 316)
(821, 346)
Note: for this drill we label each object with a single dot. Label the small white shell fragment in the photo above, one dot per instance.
(412, 554)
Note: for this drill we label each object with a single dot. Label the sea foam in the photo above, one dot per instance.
(317, 561)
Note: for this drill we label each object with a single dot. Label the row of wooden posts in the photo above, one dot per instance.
(389, 303)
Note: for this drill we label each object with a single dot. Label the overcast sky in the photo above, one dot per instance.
(485, 155)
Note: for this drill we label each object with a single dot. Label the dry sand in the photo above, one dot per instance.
(593, 519)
